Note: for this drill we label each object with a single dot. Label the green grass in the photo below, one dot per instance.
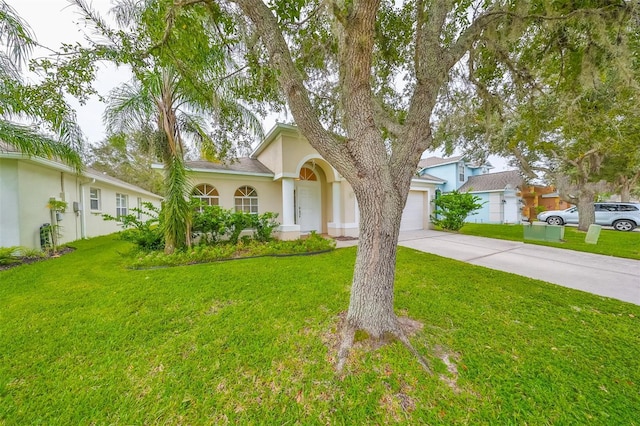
(85, 341)
(610, 243)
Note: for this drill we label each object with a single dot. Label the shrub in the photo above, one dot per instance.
(224, 251)
(453, 208)
(146, 234)
(212, 223)
(264, 225)
(9, 255)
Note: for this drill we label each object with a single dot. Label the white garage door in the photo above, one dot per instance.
(413, 214)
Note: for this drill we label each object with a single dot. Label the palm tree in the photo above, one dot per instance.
(170, 110)
(16, 100)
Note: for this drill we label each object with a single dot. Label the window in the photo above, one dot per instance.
(307, 174)
(94, 198)
(246, 200)
(627, 208)
(461, 172)
(207, 195)
(121, 205)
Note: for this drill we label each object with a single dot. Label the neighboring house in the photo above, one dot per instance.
(499, 192)
(541, 198)
(286, 175)
(28, 183)
(454, 171)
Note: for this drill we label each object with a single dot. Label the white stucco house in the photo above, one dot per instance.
(286, 175)
(28, 183)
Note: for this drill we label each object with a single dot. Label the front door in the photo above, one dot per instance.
(308, 211)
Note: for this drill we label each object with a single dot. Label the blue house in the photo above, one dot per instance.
(500, 192)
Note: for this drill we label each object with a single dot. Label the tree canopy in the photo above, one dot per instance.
(42, 105)
(364, 79)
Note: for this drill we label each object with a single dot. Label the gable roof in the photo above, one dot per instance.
(271, 136)
(492, 181)
(438, 161)
(430, 178)
(242, 165)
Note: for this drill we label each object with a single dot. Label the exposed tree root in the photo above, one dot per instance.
(402, 328)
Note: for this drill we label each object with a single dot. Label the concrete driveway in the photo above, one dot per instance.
(602, 275)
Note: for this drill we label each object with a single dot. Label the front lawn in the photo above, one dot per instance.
(610, 243)
(86, 341)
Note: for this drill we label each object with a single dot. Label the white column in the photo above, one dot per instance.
(337, 205)
(287, 202)
(335, 227)
(288, 229)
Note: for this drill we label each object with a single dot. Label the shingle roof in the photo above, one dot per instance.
(435, 161)
(492, 181)
(427, 176)
(239, 165)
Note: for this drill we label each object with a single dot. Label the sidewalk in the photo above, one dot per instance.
(602, 275)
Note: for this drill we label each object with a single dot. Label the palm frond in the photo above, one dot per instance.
(29, 142)
(129, 107)
(15, 35)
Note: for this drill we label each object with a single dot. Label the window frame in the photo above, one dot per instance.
(205, 197)
(461, 173)
(248, 200)
(97, 199)
(122, 210)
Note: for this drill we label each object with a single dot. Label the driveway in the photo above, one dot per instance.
(602, 275)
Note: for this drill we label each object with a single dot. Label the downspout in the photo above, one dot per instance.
(83, 210)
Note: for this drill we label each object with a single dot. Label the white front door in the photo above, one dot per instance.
(308, 212)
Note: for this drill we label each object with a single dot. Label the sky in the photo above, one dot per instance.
(56, 21)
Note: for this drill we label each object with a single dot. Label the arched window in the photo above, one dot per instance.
(307, 174)
(246, 200)
(206, 194)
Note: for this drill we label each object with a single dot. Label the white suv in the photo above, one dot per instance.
(622, 216)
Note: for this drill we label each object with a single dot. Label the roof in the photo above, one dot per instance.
(492, 181)
(271, 136)
(430, 178)
(103, 177)
(242, 165)
(8, 151)
(437, 161)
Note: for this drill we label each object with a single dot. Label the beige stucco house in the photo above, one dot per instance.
(28, 183)
(284, 174)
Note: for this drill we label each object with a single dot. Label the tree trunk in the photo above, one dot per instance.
(625, 191)
(371, 302)
(372, 292)
(625, 194)
(586, 210)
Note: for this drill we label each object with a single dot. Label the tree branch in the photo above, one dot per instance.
(291, 82)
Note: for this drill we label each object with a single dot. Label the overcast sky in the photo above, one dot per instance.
(55, 22)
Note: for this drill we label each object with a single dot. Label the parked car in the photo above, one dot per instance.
(622, 216)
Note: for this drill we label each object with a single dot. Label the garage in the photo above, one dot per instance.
(414, 212)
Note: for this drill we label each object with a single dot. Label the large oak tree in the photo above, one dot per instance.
(362, 79)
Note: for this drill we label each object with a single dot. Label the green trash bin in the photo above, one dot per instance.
(540, 231)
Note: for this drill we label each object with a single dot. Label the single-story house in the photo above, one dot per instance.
(286, 175)
(27, 184)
